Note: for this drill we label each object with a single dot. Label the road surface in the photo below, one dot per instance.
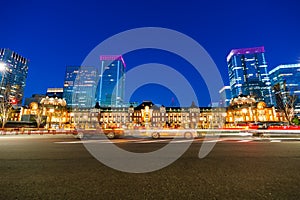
(60, 167)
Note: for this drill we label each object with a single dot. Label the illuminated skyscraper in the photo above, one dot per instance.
(288, 75)
(248, 74)
(13, 72)
(80, 86)
(70, 76)
(111, 85)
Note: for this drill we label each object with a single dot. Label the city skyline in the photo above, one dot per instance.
(56, 35)
(79, 90)
(91, 73)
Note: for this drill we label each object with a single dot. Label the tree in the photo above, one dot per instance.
(39, 116)
(60, 114)
(285, 100)
(5, 105)
(296, 120)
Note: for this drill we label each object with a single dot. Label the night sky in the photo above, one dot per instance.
(54, 34)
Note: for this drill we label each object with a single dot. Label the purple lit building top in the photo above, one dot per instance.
(112, 58)
(245, 51)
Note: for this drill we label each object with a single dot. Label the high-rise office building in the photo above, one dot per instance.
(225, 96)
(80, 86)
(110, 91)
(248, 74)
(13, 72)
(288, 75)
(70, 77)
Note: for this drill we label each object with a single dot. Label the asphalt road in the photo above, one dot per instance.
(53, 167)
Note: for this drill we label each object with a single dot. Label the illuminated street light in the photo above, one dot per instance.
(2, 66)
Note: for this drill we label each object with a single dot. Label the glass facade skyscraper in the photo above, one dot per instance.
(290, 75)
(14, 69)
(248, 74)
(110, 91)
(80, 86)
(70, 77)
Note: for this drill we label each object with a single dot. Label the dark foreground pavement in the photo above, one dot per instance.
(38, 168)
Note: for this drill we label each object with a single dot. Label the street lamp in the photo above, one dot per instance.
(2, 66)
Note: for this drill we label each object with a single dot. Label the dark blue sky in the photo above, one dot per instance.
(53, 34)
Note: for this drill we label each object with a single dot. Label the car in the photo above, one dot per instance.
(262, 125)
(258, 125)
(110, 133)
(172, 133)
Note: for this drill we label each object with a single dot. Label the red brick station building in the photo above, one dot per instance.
(52, 113)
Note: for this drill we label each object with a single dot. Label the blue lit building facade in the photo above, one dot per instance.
(290, 75)
(111, 85)
(70, 77)
(80, 86)
(248, 74)
(13, 74)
